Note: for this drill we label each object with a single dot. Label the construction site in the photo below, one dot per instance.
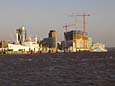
(79, 40)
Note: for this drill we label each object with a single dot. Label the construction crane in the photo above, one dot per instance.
(84, 20)
(68, 25)
(84, 26)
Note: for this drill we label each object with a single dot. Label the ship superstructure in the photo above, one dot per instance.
(21, 35)
(22, 43)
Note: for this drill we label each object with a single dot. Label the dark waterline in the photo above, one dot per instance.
(60, 69)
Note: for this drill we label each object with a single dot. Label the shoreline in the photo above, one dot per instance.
(79, 55)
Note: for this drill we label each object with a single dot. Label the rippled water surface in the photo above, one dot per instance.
(58, 69)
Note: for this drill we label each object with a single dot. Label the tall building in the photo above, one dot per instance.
(53, 38)
(52, 34)
(21, 35)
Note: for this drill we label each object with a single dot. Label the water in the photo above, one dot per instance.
(58, 70)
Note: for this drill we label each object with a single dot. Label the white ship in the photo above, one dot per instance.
(22, 44)
(27, 45)
(99, 50)
(98, 47)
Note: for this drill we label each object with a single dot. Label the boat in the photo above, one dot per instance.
(98, 47)
(27, 45)
(99, 50)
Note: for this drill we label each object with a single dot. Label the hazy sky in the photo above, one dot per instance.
(39, 16)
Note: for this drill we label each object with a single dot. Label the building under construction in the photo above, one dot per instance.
(77, 40)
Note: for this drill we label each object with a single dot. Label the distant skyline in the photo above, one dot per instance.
(40, 16)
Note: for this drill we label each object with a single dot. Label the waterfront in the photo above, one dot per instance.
(58, 69)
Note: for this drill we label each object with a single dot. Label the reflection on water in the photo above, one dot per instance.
(46, 70)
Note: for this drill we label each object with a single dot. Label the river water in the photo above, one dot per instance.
(82, 69)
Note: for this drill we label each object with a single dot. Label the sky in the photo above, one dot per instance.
(40, 16)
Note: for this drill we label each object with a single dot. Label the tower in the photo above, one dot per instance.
(53, 37)
(21, 35)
